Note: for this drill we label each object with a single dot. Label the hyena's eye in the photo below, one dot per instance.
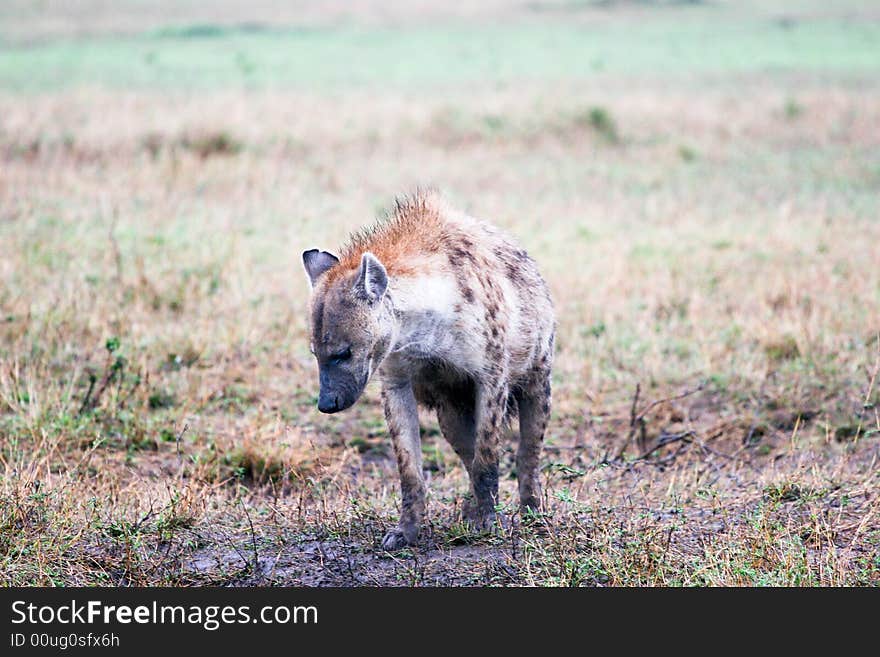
(340, 357)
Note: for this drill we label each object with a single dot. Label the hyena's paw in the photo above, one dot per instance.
(477, 518)
(399, 538)
(483, 522)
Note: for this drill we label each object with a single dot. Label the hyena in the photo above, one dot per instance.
(453, 315)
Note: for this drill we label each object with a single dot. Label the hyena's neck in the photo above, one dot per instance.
(424, 317)
(388, 330)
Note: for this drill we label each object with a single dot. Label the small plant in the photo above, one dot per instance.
(153, 143)
(114, 371)
(494, 123)
(182, 512)
(792, 109)
(600, 120)
(789, 491)
(213, 143)
(687, 153)
(784, 492)
(783, 349)
(596, 330)
(161, 399)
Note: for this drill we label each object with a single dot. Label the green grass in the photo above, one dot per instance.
(323, 58)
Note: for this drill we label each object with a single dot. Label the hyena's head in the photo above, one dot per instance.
(351, 326)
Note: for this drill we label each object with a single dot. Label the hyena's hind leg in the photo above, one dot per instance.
(491, 414)
(458, 424)
(533, 399)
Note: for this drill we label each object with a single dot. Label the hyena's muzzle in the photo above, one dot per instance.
(340, 388)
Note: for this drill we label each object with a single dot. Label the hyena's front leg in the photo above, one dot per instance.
(491, 408)
(401, 415)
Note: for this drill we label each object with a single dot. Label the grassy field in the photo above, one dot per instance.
(699, 182)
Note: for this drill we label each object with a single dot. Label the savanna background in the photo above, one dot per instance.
(698, 181)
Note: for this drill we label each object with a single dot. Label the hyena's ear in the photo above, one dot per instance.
(316, 263)
(372, 280)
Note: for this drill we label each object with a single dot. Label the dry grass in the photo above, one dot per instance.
(157, 396)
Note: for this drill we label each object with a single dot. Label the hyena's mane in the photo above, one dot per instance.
(414, 225)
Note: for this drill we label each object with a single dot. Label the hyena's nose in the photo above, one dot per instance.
(328, 403)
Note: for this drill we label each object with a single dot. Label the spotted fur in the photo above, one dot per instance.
(453, 315)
